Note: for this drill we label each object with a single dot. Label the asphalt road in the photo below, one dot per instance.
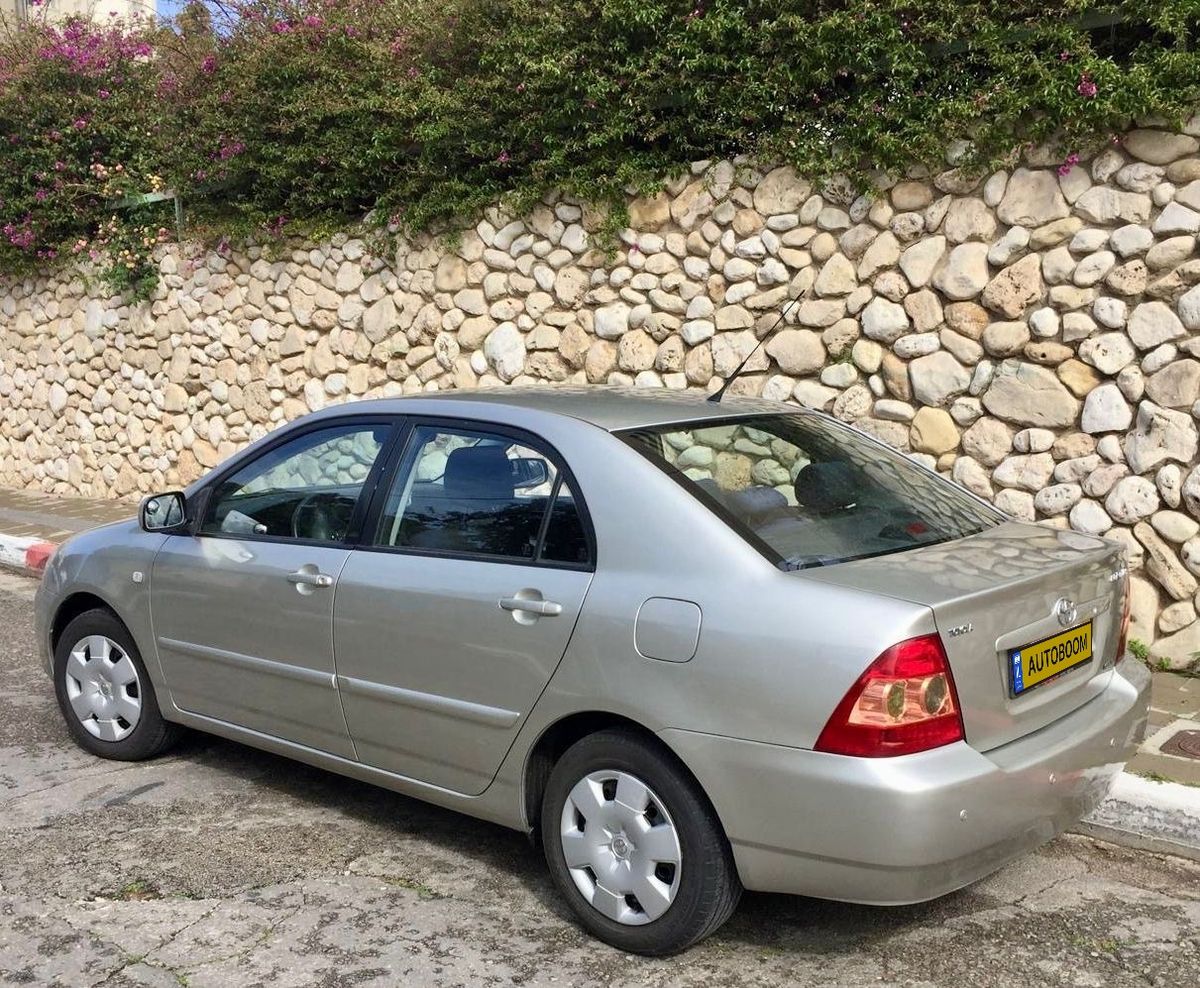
(220, 865)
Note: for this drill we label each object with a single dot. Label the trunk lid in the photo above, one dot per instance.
(998, 591)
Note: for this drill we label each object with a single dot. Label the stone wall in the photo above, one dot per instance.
(1030, 333)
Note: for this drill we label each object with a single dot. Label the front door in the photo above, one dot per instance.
(243, 609)
(448, 627)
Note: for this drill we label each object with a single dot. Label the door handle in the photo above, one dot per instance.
(310, 579)
(531, 605)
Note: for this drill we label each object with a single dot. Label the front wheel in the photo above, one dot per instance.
(104, 691)
(635, 847)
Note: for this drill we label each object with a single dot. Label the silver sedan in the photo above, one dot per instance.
(691, 646)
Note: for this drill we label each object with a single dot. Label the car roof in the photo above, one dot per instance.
(609, 407)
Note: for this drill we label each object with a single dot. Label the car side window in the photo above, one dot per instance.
(306, 488)
(481, 494)
(565, 541)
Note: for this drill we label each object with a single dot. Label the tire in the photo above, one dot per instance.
(686, 900)
(105, 693)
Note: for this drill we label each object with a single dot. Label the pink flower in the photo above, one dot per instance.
(1064, 56)
(21, 236)
(312, 20)
(281, 27)
(41, 195)
(1086, 87)
(503, 157)
(1069, 162)
(80, 124)
(104, 94)
(209, 65)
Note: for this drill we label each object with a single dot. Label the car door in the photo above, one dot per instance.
(454, 613)
(243, 608)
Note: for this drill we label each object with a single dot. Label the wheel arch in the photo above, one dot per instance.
(76, 603)
(557, 737)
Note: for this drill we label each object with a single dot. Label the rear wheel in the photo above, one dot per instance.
(635, 847)
(105, 693)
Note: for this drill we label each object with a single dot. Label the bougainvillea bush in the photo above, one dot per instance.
(269, 116)
(79, 131)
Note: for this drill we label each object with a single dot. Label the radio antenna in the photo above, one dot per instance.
(717, 395)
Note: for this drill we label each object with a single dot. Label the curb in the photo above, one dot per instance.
(1151, 816)
(25, 553)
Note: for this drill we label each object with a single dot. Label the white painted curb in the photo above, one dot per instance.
(1154, 816)
(24, 552)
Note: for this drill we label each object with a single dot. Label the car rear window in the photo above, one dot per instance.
(809, 491)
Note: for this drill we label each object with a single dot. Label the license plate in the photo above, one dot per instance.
(1043, 660)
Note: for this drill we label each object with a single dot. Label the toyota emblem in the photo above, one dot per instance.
(1066, 611)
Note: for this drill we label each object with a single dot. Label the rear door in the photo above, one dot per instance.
(454, 614)
(243, 608)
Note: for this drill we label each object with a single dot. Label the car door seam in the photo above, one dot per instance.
(333, 646)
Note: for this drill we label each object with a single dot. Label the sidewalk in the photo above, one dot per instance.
(33, 524)
(1174, 708)
(1154, 806)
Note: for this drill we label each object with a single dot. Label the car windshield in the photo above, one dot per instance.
(809, 491)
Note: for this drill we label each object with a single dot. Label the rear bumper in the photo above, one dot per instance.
(889, 831)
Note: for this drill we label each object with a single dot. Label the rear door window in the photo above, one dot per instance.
(808, 491)
(478, 493)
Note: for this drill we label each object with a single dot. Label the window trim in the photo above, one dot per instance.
(369, 530)
(743, 531)
(204, 496)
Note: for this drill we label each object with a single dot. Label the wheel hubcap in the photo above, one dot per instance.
(621, 847)
(103, 688)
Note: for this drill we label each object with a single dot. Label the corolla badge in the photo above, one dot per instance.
(1066, 611)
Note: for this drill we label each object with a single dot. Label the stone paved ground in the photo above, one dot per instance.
(219, 865)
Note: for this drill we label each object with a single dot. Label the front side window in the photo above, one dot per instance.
(481, 494)
(812, 492)
(306, 488)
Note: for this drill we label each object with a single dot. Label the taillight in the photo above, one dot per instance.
(905, 702)
(1123, 635)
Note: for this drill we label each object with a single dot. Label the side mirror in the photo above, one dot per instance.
(528, 471)
(163, 512)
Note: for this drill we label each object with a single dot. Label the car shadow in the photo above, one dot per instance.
(762, 921)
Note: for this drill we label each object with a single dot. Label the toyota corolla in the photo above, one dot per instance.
(690, 646)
